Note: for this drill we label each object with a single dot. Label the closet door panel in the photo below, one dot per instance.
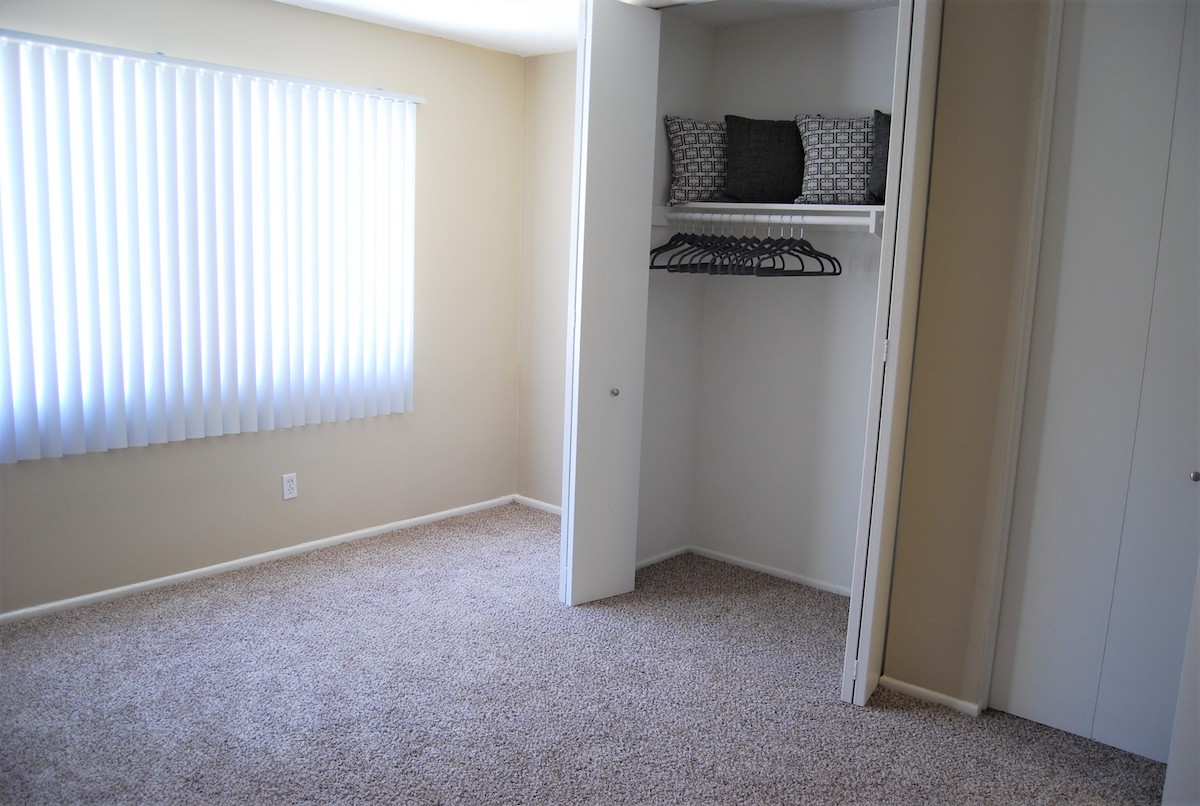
(615, 127)
(1156, 568)
(917, 50)
(1115, 96)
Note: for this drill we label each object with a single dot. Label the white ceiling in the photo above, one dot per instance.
(535, 27)
(523, 27)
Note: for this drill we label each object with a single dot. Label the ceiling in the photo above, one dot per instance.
(535, 27)
(523, 27)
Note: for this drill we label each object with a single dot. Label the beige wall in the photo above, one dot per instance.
(86, 523)
(545, 263)
(977, 243)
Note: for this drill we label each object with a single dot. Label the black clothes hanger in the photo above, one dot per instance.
(745, 254)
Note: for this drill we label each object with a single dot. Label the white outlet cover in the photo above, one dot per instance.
(290, 490)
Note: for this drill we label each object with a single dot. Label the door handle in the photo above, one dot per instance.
(1194, 475)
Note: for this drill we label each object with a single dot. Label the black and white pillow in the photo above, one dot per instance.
(837, 159)
(697, 159)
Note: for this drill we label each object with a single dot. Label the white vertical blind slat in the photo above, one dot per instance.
(12, 227)
(38, 270)
(370, 257)
(195, 217)
(340, 349)
(85, 254)
(295, 254)
(191, 320)
(386, 236)
(275, 152)
(127, 265)
(232, 335)
(309, 363)
(354, 256)
(63, 292)
(244, 254)
(18, 410)
(159, 265)
(190, 252)
(404, 155)
(325, 255)
(262, 254)
(108, 283)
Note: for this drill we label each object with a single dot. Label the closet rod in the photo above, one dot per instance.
(863, 218)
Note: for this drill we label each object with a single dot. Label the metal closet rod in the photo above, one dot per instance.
(866, 220)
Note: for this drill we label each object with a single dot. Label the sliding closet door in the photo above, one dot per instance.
(1160, 544)
(614, 165)
(1103, 547)
(918, 43)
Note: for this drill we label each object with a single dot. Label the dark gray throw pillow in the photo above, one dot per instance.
(877, 183)
(764, 160)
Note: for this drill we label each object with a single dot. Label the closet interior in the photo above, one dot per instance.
(738, 411)
(757, 407)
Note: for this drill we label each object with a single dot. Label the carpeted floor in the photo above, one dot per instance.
(436, 666)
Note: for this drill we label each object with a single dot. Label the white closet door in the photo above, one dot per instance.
(917, 47)
(1160, 544)
(614, 166)
(1088, 540)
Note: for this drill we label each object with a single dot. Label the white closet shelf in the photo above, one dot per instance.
(867, 217)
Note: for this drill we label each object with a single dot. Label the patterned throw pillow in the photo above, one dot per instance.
(697, 159)
(837, 159)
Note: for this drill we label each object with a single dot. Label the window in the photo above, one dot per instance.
(188, 250)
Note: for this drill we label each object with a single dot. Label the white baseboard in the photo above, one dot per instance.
(536, 504)
(819, 584)
(267, 556)
(659, 558)
(899, 686)
(753, 566)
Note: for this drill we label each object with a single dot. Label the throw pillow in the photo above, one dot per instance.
(697, 159)
(837, 159)
(764, 160)
(877, 183)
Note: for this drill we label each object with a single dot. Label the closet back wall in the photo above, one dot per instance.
(756, 389)
(83, 524)
(686, 57)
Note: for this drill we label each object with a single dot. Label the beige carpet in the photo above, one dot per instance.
(436, 666)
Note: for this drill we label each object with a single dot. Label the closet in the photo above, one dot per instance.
(758, 419)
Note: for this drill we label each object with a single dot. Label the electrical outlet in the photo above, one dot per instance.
(289, 486)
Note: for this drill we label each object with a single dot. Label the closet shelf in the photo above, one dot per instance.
(865, 217)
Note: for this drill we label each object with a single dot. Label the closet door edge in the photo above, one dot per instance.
(616, 102)
(916, 82)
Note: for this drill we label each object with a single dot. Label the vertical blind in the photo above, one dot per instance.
(189, 251)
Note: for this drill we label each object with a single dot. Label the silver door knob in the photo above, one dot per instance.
(1195, 475)
(615, 392)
